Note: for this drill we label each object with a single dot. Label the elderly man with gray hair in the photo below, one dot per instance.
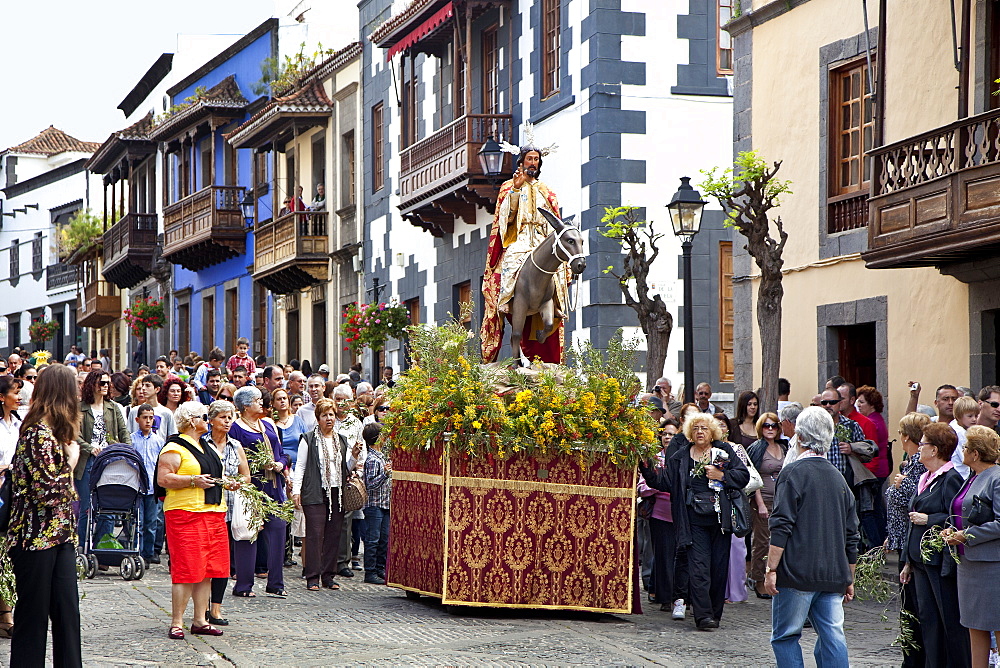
(814, 521)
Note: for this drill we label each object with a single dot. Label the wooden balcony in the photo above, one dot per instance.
(292, 252)
(440, 178)
(98, 307)
(204, 228)
(128, 249)
(936, 196)
(61, 276)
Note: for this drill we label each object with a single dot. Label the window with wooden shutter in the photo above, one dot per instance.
(852, 125)
(550, 47)
(463, 295)
(723, 40)
(378, 168)
(490, 72)
(726, 365)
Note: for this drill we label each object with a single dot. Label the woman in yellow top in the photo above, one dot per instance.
(194, 511)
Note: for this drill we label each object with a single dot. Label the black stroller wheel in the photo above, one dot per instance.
(91, 566)
(140, 568)
(81, 566)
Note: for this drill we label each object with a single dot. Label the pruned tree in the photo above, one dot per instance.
(748, 191)
(638, 239)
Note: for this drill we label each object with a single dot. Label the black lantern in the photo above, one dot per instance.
(247, 205)
(686, 208)
(491, 159)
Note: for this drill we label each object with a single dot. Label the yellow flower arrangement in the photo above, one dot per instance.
(587, 408)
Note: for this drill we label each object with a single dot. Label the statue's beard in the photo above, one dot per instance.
(532, 172)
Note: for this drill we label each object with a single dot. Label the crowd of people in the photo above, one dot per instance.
(196, 425)
(945, 489)
(727, 510)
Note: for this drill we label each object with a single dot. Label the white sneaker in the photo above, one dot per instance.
(678, 612)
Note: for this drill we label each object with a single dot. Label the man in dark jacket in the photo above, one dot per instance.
(813, 550)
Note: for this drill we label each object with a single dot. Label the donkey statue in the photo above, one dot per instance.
(534, 289)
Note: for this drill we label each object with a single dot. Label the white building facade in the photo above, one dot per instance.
(634, 94)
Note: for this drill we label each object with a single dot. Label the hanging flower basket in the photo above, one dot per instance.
(42, 330)
(145, 313)
(372, 324)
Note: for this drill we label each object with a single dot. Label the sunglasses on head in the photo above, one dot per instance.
(830, 402)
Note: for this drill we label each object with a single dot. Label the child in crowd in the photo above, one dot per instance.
(148, 444)
(378, 481)
(241, 358)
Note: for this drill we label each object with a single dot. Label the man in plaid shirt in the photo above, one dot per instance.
(830, 400)
(378, 481)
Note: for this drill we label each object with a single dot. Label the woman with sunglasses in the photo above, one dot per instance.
(101, 423)
(767, 455)
(378, 412)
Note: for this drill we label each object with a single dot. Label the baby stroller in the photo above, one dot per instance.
(117, 483)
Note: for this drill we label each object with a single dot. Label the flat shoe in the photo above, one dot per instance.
(206, 630)
(217, 621)
(244, 594)
(332, 585)
(277, 593)
(312, 587)
(175, 633)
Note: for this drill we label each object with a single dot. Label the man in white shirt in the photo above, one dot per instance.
(163, 423)
(314, 388)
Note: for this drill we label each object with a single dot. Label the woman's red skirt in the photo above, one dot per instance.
(198, 544)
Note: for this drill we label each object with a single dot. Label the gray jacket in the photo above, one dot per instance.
(983, 544)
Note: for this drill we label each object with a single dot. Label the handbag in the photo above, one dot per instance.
(740, 514)
(240, 521)
(756, 482)
(354, 496)
(981, 511)
(701, 503)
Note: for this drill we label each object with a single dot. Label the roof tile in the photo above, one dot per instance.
(52, 141)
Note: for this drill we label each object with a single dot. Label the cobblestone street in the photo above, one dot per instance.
(125, 624)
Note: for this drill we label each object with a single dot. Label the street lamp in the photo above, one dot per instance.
(247, 205)
(685, 209)
(491, 159)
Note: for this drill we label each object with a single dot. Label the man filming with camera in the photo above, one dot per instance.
(663, 390)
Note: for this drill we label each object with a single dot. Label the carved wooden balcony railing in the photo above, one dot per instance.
(62, 275)
(98, 306)
(128, 249)
(848, 212)
(204, 228)
(292, 252)
(936, 196)
(440, 176)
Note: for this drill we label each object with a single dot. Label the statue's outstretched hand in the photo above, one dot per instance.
(520, 178)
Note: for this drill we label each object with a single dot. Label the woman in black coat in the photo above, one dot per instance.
(702, 513)
(946, 642)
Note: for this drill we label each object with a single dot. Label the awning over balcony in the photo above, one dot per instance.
(422, 30)
(305, 108)
(223, 100)
(132, 141)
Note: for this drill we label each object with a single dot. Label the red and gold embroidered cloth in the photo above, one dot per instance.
(526, 532)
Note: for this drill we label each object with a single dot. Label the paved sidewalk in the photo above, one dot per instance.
(125, 624)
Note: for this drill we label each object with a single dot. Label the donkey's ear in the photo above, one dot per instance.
(570, 221)
(554, 220)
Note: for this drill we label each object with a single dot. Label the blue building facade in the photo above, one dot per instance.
(205, 181)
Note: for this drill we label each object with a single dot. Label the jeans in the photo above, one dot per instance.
(376, 541)
(152, 520)
(83, 490)
(789, 610)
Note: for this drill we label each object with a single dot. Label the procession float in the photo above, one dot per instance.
(514, 487)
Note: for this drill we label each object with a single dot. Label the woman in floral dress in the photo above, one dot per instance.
(42, 530)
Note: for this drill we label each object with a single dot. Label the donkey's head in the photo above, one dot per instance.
(568, 245)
